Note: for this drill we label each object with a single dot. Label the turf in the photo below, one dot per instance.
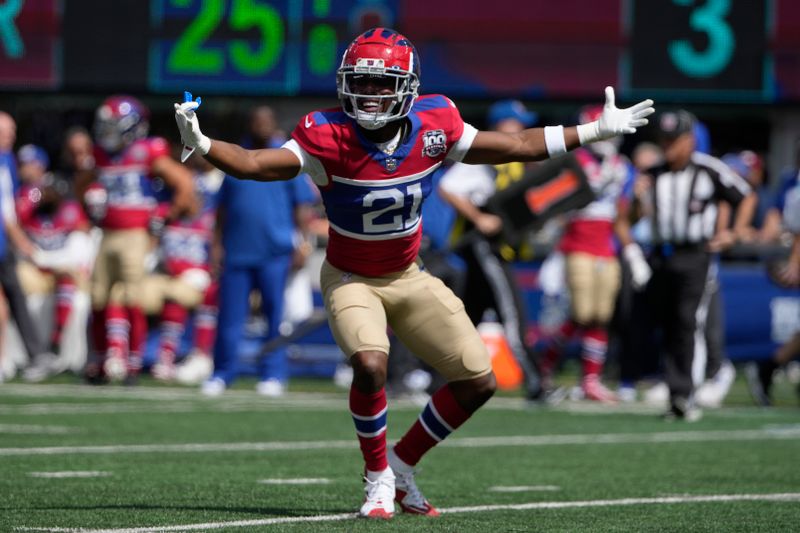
(575, 452)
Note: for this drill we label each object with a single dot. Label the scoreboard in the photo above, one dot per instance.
(678, 50)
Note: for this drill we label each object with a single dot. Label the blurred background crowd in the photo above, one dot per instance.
(117, 260)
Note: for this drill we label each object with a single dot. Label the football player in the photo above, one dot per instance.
(58, 228)
(372, 160)
(184, 282)
(592, 270)
(125, 161)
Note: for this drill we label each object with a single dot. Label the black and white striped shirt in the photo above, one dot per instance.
(685, 201)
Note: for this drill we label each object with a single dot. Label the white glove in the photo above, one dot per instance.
(640, 270)
(615, 121)
(191, 136)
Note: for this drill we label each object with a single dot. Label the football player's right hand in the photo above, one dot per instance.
(189, 127)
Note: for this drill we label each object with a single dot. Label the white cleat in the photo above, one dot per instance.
(379, 495)
(115, 367)
(407, 494)
(657, 395)
(626, 394)
(213, 387)
(196, 368)
(163, 371)
(271, 388)
(712, 392)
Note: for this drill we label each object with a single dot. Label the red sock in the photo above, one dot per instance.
(173, 318)
(138, 325)
(593, 352)
(369, 416)
(117, 330)
(440, 417)
(205, 321)
(555, 345)
(65, 292)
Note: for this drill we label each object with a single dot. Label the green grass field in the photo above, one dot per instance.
(154, 458)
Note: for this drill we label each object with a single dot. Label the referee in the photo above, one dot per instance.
(684, 195)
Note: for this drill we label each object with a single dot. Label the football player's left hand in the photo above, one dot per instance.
(615, 121)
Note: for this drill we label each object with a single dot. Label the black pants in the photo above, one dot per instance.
(490, 284)
(674, 294)
(633, 333)
(19, 309)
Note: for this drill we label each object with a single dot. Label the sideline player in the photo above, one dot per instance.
(372, 160)
(125, 161)
(592, 271)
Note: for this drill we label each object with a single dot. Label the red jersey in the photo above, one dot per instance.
(126, 178)
(590, 230)
(48, 231)
(186, 243)
(373, 199)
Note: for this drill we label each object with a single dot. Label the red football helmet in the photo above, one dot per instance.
(119, 121)
(378, 79)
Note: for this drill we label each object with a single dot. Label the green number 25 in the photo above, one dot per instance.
(709, 19)
(190, 57)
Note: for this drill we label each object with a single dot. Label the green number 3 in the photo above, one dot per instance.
(709, 19)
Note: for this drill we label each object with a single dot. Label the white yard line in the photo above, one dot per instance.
(70, 474)
(718, 498)
(791, 433)
(189, 400)
(524, 488)
(33, 429)
(296, 481)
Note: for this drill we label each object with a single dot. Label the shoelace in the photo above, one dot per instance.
(373, 489)
(407, 482)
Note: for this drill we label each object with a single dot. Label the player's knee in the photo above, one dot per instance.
(131, 294)
(473, 393)
(369, 370)
(485, 388)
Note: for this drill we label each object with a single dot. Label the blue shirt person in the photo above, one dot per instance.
(256, 224)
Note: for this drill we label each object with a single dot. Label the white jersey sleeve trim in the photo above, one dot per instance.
(463, 144)
(308, 163)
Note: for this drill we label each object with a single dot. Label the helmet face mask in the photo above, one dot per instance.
(378, 79)
(120, 121)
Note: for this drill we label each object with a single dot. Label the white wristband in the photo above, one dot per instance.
(554, 140)
(588, 133)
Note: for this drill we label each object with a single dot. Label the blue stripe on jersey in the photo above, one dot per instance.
(329, 117)
(375, 210)
(432, 424)
(434, 102)
(370, 426)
